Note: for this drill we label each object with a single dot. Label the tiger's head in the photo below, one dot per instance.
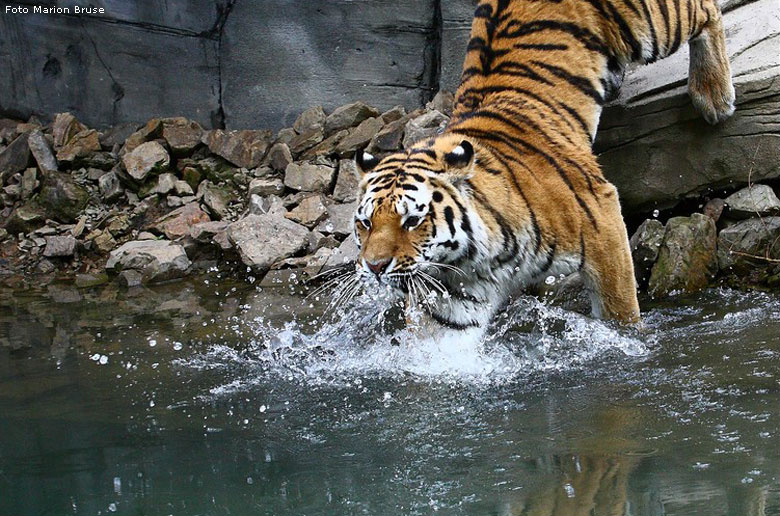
(412, 215)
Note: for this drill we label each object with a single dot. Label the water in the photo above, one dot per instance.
(210, 397)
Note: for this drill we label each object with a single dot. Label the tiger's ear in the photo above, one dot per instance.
(365, 162)
(460, 161)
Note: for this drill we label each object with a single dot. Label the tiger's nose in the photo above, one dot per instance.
(378, 266)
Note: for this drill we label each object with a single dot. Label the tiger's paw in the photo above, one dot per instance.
(714, 101)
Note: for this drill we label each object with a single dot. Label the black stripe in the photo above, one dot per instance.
(452, 324)
(540, 46)
(589, 40)
(653, 35)
(549, 258)
(665, 17)
(582, 251)
(507, 234)
(449, 216)
(576, 116)
(678, 29)
(625, 31)
(581, 83)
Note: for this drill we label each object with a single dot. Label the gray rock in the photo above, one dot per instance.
(359, 137)
(306, 140)
(26, 218)
(311, 119)
(285, 135)
(687, 260)
(393, 114)
(117, 134)
(182, 135)
(104, 242)
(62, 198)
(645, 245)
(346, 189)
(245, 148)
(151, 130)
(748, 245)
(326, 147)
(657, 149)
(340, 221)
(110, 187)
(309, 177)
(389, 138)
(424, 126)
(29, 182)
(101, 160)
(346, 253)
(215, 198)
(266, 186)
(146, 159)
(130, 278)
(266, 205)
(309, 212)
(14, 158)
(156, 260)
(262, 240)
(183, 188)
(180, 221)
(60, 246)
(165, 183)
(42, 151)
(212, 233)
(714, 208)
(64, 128)
(348, 116)
(80, 145)
(753, 201)
(442, 102)
(279, 156)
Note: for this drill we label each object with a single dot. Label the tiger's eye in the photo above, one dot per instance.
(366, 223)
(411, 222)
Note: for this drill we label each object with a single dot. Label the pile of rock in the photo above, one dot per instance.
(160, 201)
(736, 240)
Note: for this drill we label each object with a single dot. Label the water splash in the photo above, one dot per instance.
(528, 337)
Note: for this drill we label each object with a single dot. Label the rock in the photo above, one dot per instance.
(752, 201)
(645, 245)
(215, 198)
(214, 168)
(41, 151)
(243, 148)
(94, 174)
(164, 184)
(286, 135)
(306, 140)
(393, 114)
(110, 187)
(130, 278)
(389, 138)
(26, 218)
(443, 101)
(424, 126)
(348, 116)
(29, 182)
(346, 189)
(15, 158)
(104, 242)
(326, 147)
(180, 221)
(46, 267)
(310, 212)
(359, 137)
(311, 119)
(146, 235)
(687, 260)
(192, 176)
(340, 221)
(266, 186)
(117, 134)
(79, 146)
(13, 191)
(346, 253)
(183, 188)
(278, 156)
(266, 205)
(3, 234)
(213, 232)
(62, 198)
(64, 128)
(148, 158)
(748, 245)
(119, 224)
(91, 280)
(156, 260)
(309, 177)
(262, 240)
(78, 229)
(101, 160)
(714, 208)
(60, 246)
(182, 135)
(151, 130)
(657, 150)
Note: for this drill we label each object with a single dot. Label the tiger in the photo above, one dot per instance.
(510, 193)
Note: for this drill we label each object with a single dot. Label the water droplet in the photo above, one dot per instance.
(569, 490)
(152, 343)
(250, 480)
(549, 280)
(656, 213)
(263, 408)
(112, 507)
(177, 346)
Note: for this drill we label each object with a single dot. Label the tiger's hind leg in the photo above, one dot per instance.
(709, 72)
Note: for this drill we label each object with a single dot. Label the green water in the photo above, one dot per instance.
(210, 397)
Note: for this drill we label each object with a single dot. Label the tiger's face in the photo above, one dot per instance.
(412, 215)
